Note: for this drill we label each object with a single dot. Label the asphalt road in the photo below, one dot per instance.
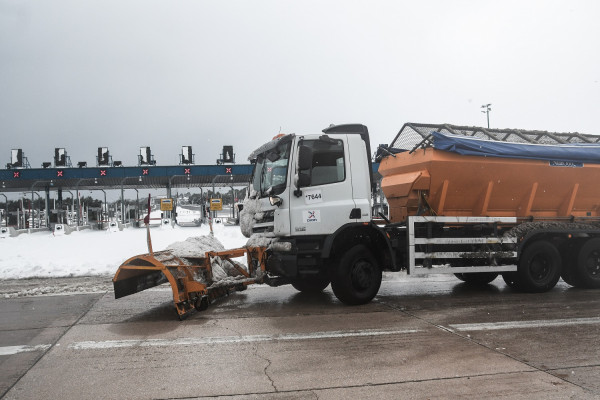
(425, 338)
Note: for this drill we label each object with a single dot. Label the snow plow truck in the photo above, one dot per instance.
(468, 201)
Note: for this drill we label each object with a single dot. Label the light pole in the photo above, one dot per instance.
(486, 110)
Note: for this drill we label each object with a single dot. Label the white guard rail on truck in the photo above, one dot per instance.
(428, 257)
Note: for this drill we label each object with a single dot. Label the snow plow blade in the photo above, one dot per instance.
(193, 283)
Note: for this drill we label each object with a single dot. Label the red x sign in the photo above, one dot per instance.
(59, 173)
(144, 171)
(187, 171)
(227, 170)
(16, 174)
(102, 172)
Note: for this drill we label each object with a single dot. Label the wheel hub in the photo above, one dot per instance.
(593, 264)
(362, 275)
(539, 267)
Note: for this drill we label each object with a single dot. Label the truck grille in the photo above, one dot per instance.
(262, 229)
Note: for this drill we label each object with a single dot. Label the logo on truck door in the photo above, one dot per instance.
(312, 216)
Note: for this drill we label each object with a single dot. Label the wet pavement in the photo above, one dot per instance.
(420, 338)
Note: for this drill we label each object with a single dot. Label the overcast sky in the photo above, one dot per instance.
(124, 74)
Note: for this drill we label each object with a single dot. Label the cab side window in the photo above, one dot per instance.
(328, 162)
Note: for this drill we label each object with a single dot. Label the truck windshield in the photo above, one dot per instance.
(270, 173)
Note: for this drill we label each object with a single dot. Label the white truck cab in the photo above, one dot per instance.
(327, 189)
(314, 192)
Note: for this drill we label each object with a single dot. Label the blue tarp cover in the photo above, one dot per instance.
(575, 153)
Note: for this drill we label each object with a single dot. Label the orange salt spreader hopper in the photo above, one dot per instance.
(426, 180)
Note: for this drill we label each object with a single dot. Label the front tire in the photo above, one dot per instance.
(356, 277)
(539, 267)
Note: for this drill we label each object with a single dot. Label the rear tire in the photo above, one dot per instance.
(587, 268)
(539, 267)
(311, 284)
(477, 278)
(356, 277)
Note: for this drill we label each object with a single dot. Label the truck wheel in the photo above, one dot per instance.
(311, 284)
(477, 278)
(356, 277)
(587, 268)
(539, 267)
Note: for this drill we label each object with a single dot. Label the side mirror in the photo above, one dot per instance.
(305, 158)
(303, 179)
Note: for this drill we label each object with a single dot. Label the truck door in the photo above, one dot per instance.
(325, 201)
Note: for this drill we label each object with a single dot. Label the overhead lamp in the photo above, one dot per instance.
(95, 180)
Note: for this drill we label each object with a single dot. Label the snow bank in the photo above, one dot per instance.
(87, 252)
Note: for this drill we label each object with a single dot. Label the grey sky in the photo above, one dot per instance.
(124, 74)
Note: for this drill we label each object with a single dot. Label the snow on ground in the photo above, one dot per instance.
(92, 252)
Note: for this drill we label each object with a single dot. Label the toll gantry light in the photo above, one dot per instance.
(145, 157)
(82, 164)
(103, 158)
(61, 159)
(228, 156)
(17, 159)
(46, 164)
(186, 157)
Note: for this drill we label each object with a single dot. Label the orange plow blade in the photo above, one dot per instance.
(193, 282)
